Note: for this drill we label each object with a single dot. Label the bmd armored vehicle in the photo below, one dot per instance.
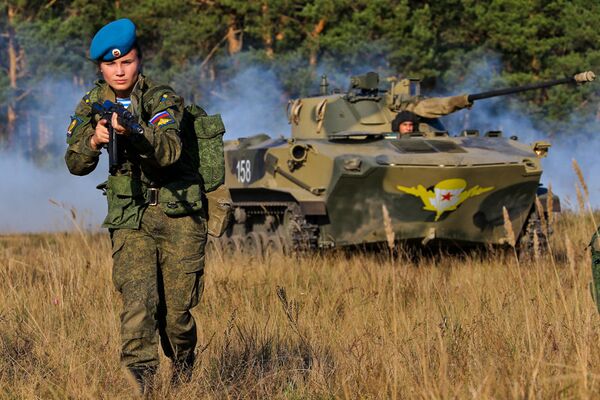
(343, 175)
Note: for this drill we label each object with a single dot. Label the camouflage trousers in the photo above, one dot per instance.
(158, 269)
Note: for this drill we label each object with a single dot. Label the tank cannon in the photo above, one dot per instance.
(577, 79)
(405, 96)
(327, 185)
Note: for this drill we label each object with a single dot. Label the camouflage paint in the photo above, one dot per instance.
(353, 197)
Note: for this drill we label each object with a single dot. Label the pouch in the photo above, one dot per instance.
(220, 212)
(209, 133)
(126, 202)
(180, 198)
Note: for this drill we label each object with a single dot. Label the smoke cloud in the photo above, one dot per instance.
(39, 193)
(43, 192)
(252, 102)
(580, 141)
(42, 199)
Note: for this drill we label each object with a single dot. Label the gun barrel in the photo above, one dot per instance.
(580, 78)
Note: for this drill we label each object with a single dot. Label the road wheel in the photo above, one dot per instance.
(239, 244)
(253, 246)
(272, 245)
(229, 246)
(533, 232)
(214, 249)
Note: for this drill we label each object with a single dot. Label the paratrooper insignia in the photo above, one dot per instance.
(74, 122)
(446, 195)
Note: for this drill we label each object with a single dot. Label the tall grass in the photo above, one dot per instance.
(475, 325)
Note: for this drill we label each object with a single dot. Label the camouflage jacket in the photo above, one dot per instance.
(150, 158)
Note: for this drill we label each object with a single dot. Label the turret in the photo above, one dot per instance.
(365, 109)
(362, 109)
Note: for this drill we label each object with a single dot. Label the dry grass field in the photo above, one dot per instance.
(474, 325)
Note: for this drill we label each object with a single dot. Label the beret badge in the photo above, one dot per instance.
(116, 53)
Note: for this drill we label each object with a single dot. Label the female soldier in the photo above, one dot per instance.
(155, 218)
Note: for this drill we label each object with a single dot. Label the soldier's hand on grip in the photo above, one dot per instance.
(120, 129)
(100, 136)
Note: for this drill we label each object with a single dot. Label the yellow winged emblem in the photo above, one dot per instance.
(446, 195)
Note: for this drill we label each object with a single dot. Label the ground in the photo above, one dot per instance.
(338, 325)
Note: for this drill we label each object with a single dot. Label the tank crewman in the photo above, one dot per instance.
(155, 220)
(404, 123)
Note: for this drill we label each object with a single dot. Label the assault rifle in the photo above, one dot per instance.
(125, 119)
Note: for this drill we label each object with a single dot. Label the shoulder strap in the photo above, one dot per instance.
(147, 98)
(195, 110)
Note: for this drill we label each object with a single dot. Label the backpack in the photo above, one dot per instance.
(202, 135)
(203, 139)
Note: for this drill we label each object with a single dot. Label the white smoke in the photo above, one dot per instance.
(253, 101)
(38, 199)
(38, 192)
(38, 196)
(581, 142)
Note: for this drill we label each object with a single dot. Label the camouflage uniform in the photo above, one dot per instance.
(158, 259)
(595, 246)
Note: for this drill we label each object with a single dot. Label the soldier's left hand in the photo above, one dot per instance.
(117, 127)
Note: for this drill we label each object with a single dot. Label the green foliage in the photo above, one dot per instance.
(442, 42)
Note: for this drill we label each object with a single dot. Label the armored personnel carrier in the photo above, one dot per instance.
(343, 174)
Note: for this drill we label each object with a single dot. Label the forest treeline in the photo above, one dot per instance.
(198, 45)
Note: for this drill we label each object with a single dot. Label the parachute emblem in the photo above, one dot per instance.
(446, 195)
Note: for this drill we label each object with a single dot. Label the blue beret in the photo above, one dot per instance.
(113, 40)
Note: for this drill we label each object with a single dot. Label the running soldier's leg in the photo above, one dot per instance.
(181, 259)
(134, 276)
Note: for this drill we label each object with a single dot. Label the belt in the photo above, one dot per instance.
(153, 196)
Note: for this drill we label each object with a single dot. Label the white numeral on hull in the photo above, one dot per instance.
(244, 171)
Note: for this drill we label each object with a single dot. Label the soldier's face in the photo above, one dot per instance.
(406, 127)
(122, 73)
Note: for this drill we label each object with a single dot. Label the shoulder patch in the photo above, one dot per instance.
(75, 121)
(162, 118)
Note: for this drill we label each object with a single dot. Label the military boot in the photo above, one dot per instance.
(182, 370)
(144, 378)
